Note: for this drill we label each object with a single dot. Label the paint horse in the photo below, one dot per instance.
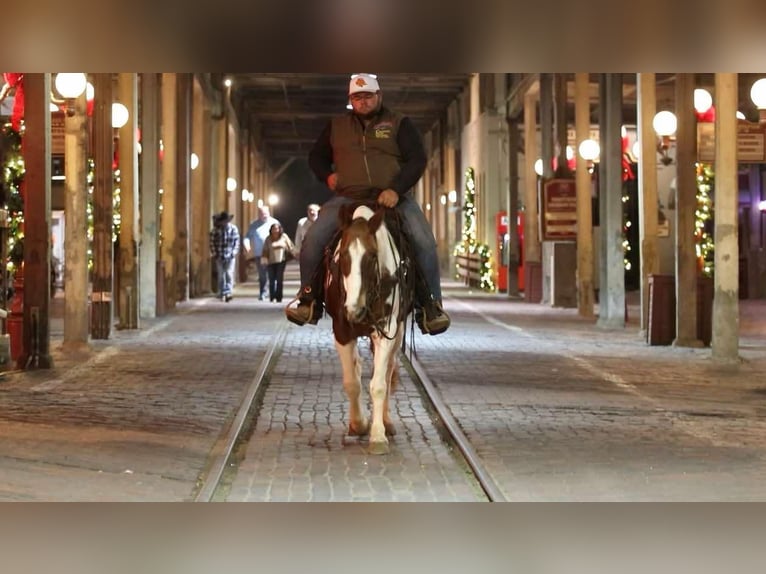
(366, 296)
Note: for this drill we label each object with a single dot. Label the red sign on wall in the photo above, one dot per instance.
(559, 210)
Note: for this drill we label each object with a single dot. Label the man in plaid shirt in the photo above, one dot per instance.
(224, 246)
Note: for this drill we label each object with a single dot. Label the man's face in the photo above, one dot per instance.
(264, 214)
(313, 213)
(365, 103)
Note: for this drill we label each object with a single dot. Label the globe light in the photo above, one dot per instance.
(90, 92)
(569, 152)
(740, 115)
(231, 184)
(589, 150)
(665, 123)
(539, 167)
(273, 199)
(758, 94)
(703, 101)
(636, 150)
(193, 160)
(120, 115)
(71, 85)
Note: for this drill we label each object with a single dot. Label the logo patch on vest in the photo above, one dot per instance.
(383, 130)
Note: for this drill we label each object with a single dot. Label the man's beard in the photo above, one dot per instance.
(370, 114)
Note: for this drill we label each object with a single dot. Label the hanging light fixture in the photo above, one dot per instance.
(665, 124)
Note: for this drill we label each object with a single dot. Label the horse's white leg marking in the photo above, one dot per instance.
(379, 393)
(391, 373)
(352, 383)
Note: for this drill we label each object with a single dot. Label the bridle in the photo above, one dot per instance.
(375, 312)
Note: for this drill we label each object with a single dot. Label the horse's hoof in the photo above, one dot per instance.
(390, 429)
(358, 430)
(378, 447)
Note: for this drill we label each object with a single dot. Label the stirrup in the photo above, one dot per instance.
(298, 316)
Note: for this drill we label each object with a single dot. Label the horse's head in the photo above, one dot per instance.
(358, 259)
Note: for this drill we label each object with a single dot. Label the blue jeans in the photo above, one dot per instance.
(225, 276)
(416, 227)
(263, 278)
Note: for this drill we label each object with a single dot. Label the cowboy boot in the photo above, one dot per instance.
(308, 310)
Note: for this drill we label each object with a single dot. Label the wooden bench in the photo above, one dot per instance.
(469, 268)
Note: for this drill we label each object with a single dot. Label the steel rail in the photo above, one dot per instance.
(490, 487)
(222, 449)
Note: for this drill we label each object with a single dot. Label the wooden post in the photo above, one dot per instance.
(148, 253)
(612, 290)
(169, 182)
(37, 219)
(648, 205)
(725, 341)
(183, 151)
(76, 229)
(101, 298)
(585, 295)
(128, 166)
(201, 222)
(686, 182)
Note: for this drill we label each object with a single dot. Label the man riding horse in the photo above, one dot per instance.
(371, 154)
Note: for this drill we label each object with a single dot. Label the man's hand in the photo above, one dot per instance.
(388, 198)
(332, 181)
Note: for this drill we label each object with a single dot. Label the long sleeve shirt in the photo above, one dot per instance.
(224, 241)
(275, 250)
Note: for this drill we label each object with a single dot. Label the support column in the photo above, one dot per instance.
(686, 205)
(560, 109)
(647, 189)
(148, 254)
(169, 184)
(202, 221)
(613, 289)
(531, 214)
(513, 206)
(725, 342)
(223, 166)
(546, 140)
(76, 229)
(103, 141)
(37, 222)
(183, 142)
(585, 295)
(242, 221)
(128, 166)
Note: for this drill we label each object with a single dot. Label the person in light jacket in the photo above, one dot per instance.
(277, 249)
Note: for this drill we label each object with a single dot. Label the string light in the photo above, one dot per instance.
(703, 219)
(13, 176)
(468, 243)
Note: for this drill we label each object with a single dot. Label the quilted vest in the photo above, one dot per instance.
(366, 159)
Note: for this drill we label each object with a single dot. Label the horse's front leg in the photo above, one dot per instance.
(392, 380)
(379, 393)
(352, 383)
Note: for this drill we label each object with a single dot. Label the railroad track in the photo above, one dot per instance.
(223, 463)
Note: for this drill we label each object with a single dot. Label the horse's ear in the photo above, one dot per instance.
(376, 220)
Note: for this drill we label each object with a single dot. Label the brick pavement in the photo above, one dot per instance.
(560, 409)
